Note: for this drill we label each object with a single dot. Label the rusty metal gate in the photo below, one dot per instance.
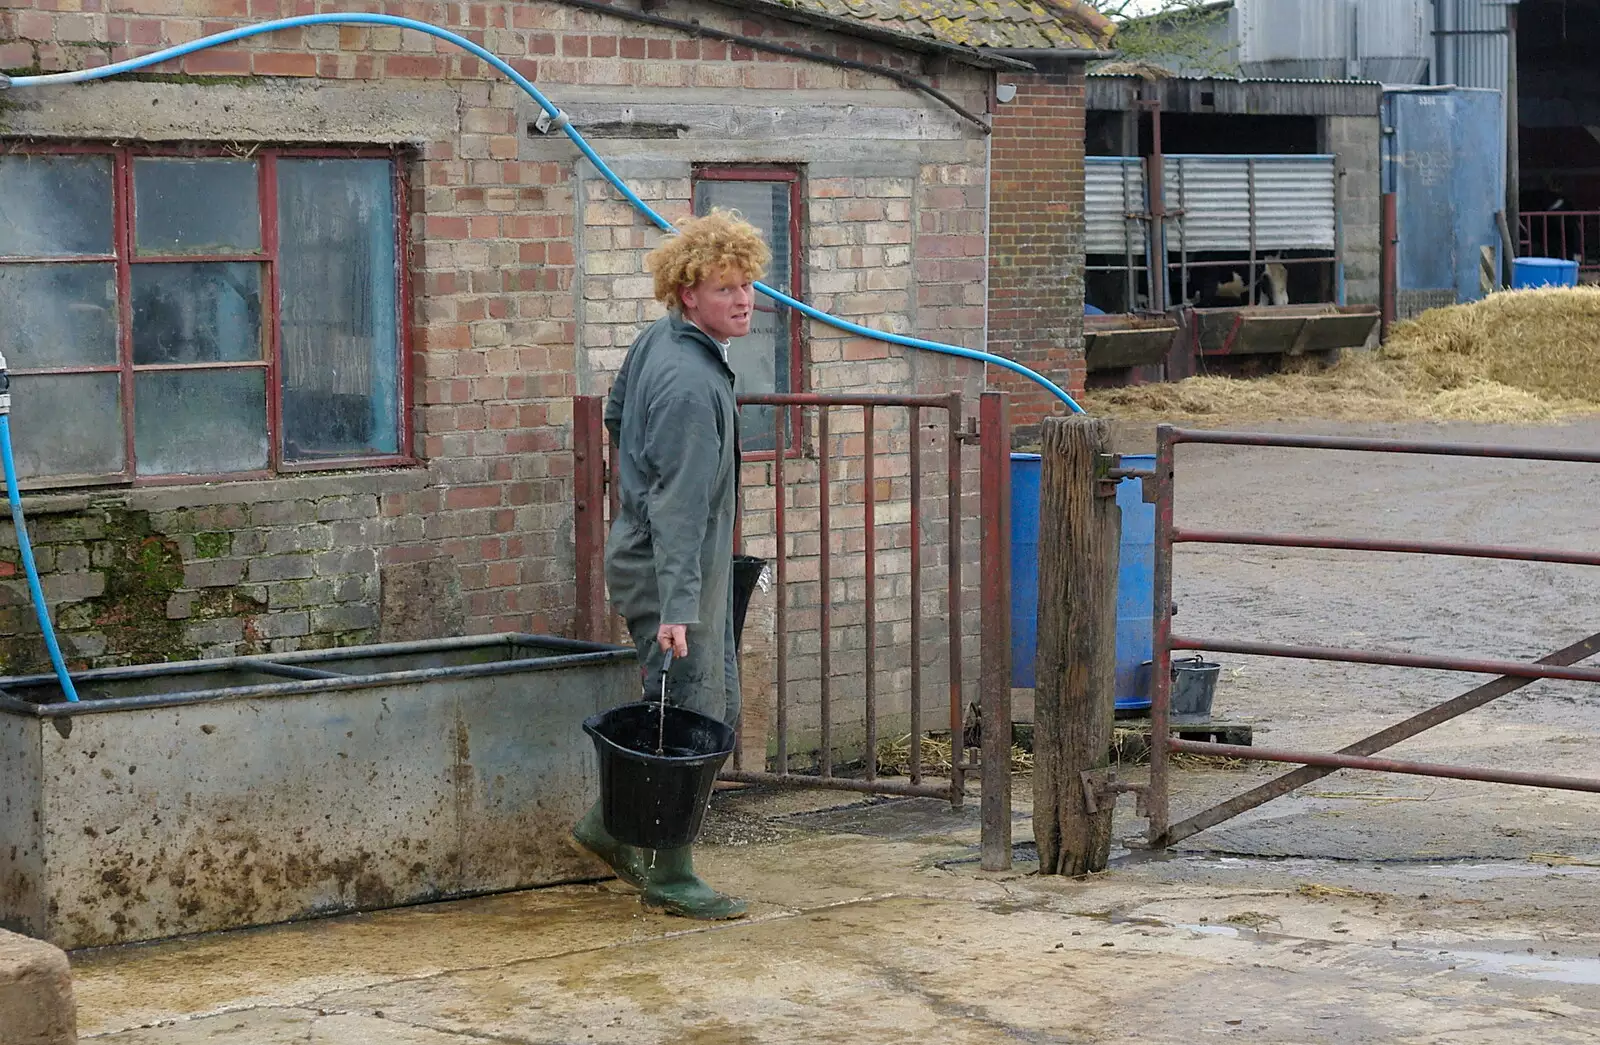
(821, 456)
(1512, 675)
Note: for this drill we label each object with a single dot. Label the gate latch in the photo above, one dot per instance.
(1101, 785)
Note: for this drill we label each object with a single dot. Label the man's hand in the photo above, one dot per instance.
(674, 637)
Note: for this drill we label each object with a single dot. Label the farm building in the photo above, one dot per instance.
(299, 321)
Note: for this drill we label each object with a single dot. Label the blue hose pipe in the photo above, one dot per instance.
(556, 119)
(40, 608)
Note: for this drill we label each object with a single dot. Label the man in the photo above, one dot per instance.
(669, 559)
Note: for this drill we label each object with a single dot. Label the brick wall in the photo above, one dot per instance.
(893, 239)
(528, 285)
(1036, 241)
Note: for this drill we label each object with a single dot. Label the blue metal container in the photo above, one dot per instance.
(1528, 273)
(1135, 579)
(1444, 159)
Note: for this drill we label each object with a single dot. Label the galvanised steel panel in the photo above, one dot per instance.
(245, 812)
(190, 811)
(1476, 52)
(1114, 188)
(1276, 30)
(21, 825)
(1295, 202)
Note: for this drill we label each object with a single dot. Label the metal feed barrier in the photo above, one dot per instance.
(1512, 675)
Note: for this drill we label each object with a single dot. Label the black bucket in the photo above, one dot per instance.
(746, 573)
(650, 800)
(1194, 684)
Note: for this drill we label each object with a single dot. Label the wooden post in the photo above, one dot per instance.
(1080, 529)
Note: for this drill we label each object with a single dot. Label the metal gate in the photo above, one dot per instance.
(1512, 675)
(878, 444)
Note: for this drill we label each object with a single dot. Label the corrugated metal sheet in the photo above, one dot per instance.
(1294, 202)
(1271, 97)
(1114, 188)
(1394, 29)
(1473, 43)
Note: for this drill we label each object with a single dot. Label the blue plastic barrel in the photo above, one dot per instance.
(1528, 273)
(1025, 472)
(1135, 579)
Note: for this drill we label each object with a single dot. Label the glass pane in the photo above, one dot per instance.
(58, 315)
(196, 206)
(339, 309)
(52, 206)
(67, 424)
(761, 358)
(199, 422)
(196, 312)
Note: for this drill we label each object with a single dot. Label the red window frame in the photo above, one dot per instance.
(125, 256)
(797, 362)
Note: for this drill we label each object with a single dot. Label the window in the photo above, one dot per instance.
(189, 314)
(768, 358)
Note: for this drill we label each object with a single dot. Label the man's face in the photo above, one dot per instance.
(722, 305)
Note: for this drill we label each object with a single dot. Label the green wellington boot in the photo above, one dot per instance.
(629, 862)
(672, 886)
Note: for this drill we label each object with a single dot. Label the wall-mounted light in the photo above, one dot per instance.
(1005, 91)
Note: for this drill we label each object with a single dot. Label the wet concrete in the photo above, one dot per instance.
(1362, 909)
(862, 936)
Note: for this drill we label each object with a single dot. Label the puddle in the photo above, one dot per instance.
(1211, 930)
(1485, 872)
(1552, 968)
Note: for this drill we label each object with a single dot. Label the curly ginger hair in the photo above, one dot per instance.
(706, 246)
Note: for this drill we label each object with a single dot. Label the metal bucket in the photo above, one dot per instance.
(1194, 684)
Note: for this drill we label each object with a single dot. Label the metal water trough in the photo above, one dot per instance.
(207, 795)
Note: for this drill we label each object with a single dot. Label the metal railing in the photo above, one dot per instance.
(813, 453)
(1513, 675)
(1568, 234)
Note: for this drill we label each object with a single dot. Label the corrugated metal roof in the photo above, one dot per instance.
(1022, 24)
(1242, 97)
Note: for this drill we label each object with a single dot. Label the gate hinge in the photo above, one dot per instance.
(1102, 784)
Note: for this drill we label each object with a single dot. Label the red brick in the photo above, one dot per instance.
(414, 66)
(219, 61)
(272, 64)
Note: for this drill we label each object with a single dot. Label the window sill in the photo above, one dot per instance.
(308, 485)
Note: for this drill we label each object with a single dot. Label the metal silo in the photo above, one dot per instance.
(1386, 40)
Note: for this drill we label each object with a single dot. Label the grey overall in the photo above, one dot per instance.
(669, 557)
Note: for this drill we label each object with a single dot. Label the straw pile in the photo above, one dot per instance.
(1523, 356)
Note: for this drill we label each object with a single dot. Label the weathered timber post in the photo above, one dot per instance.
(1080, 528)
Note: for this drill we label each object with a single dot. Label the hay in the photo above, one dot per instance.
(894, 756)
(1530, 356)
(1318, 891)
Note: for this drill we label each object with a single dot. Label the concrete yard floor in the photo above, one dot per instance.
(1361, 909)
(872, 923)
